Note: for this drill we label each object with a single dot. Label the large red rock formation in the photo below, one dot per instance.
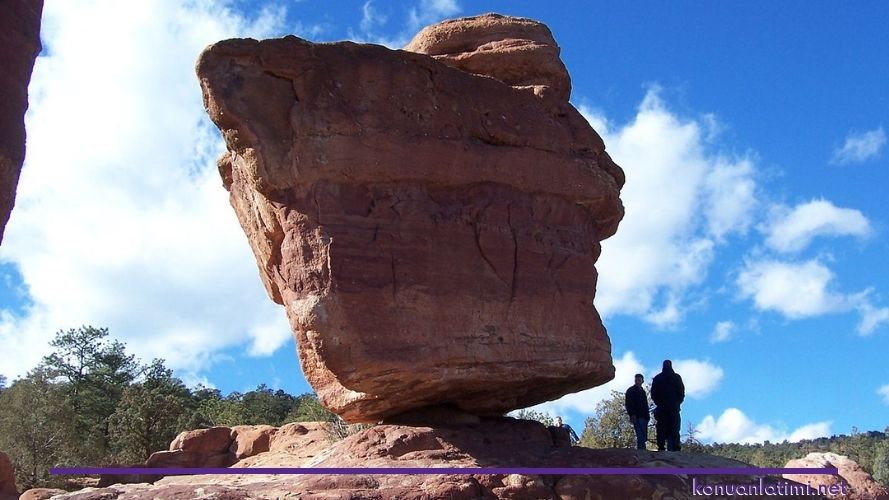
(492, 443)
(19, 46)
(852, 482)
(431, 232)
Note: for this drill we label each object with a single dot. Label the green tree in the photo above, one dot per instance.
(609, 427)
(150, 414)
(35, 420)
(94, 372)
(263, 406)
(881, 462)
(308, 409)
(2, 383)
(541, 417)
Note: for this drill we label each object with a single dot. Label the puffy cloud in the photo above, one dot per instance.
(794, 289)
(723, 331)
(699, 377)
(121, 219)
(804, 289)
(884, 392)
(861, 147)
(733, 426)
(681, 202)
(585, 402)
(793, 230)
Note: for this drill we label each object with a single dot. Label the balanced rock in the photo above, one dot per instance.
(431, 232)
(19, 46)
(853, 482)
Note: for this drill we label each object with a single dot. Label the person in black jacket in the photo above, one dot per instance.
(636, 403)
(668, 393)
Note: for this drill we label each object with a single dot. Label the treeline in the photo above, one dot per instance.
(609, 427)
(89, 403)
(870, 450)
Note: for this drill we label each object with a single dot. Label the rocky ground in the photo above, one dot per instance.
(488, 443)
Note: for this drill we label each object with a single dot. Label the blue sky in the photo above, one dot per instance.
(753, 136)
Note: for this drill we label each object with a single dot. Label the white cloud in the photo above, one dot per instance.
(699, 377)
(805, 289)
(371, 17)
(585, 402)
(723, 331)
(794, 289)
(421, 14)
(860, 147)
(431, 11)
(733, 426)
(793, 230)
(871, 318)
(121, 219)
(681, 202)
(884, 391)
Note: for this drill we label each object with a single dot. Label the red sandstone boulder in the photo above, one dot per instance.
(249, 440)
(203, 441)
(859, 485)
(432, 233)
(19, 46)
(519, 52)
(41, 493)
(7, 477)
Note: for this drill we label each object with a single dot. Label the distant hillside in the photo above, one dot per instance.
(860, 447)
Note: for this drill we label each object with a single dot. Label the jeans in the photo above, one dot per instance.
(640, 425)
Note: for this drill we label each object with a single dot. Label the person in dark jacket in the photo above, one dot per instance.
(572, 436)
(636, 403)
(668, 393)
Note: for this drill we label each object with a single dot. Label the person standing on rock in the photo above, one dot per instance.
(668, 393)
(636, 403)
(572, 436)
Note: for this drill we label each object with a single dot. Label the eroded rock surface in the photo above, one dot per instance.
(859, 485)
(19, 46)
(490, 443)
(431, 232)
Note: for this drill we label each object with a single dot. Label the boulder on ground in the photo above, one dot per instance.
(852, 479)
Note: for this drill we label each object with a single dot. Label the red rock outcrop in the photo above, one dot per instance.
(519, 52)
(249, 440)
(859, 485)
(41, 493)
(19, 46)
(8, 488)
(503, 442)
(432, 233)
(197, 448)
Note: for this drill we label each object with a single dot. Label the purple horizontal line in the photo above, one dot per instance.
(596, 471)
